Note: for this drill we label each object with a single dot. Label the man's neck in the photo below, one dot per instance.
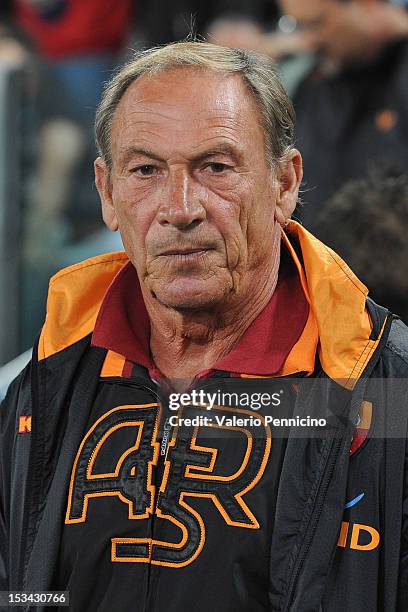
(186, 343)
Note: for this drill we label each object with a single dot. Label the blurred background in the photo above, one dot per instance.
(344, 63)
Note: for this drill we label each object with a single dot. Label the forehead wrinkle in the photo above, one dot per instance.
(160, 91)
(155, 113)
(224, 108)
(206, 117)
(132, 119)
(157, 120)
(225, 123)
(225, 128)
(208, 146)
(228, 130)
(219, 141)
(135, 112)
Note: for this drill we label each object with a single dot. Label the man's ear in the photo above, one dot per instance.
(290, 174)
(103, 185)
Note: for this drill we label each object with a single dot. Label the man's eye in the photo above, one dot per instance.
(146, 170)
(218, 167)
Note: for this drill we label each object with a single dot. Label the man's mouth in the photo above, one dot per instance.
(185, 253)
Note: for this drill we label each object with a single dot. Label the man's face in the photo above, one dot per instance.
(190, 188)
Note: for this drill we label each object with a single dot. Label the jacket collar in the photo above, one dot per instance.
(336, 297)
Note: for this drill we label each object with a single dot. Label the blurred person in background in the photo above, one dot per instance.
(349, 84)
(12, 50)
(366, 223)
(78, 45)
(17, 93)
(247, 28)
(352, 105)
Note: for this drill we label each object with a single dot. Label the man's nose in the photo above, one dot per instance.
(181, 205)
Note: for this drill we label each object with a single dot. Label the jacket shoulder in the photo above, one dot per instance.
(397, 342)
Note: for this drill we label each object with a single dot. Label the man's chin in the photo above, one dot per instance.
(184, 303)
(190, 297)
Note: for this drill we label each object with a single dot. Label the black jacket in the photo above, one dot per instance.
(321, 555)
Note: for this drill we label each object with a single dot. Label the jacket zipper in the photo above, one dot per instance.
(334, 452)
(148, 599)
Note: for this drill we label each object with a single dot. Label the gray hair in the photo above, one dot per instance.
(257, 71)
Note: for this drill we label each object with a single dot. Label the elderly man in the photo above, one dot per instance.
(142, 466)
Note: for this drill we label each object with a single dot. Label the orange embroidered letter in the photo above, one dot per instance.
(24, 424)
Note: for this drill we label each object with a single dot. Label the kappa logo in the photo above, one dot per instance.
(362, 537)
(24, 424)
(191, 471)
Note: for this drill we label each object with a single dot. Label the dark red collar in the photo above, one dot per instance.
(123, 324)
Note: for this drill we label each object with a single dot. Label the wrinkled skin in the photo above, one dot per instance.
(196, 202)
(189, 173)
